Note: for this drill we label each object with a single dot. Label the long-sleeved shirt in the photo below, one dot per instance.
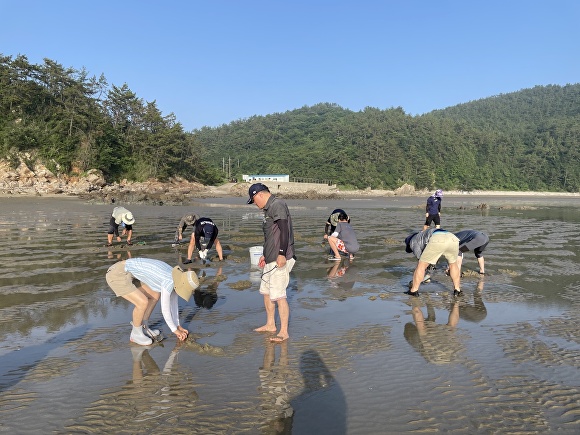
(157, 276)
(433, 205)
(118, 213)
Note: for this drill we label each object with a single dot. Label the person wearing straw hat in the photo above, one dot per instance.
(278, 258)
(157, 279)
(120, 217)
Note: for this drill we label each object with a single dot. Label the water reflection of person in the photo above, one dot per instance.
(475, 312)
(146, 371)
(437, 343)
(274, 389)
(207, 297)
(337, 270)
(119, 256)
(145, 365)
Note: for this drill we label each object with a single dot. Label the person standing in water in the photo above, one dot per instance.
(278, 259)
(433, 210)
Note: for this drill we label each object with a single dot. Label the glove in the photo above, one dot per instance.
(203, 254)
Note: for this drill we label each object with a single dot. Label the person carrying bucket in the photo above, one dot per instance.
(277, 260)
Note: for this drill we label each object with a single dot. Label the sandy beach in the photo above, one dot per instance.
(363, 357)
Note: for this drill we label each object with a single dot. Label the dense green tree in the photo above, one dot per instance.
(73, 122)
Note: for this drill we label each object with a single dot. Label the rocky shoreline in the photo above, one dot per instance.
(92, 186)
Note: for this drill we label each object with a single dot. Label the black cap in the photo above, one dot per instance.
(255, 188)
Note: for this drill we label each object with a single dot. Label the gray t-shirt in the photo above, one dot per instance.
(275, 210)
(347, 235)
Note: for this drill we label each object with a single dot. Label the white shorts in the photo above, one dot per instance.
(275, 280)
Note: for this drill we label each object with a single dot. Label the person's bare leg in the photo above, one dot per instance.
(418, 275)
(141, 303)
(459, 263)
(332, 241)
(481, 263)
(218, 248)
(152, 298)
(191, 247)
(270, 325)
(110, 239)
(284, 313)
(454, 274)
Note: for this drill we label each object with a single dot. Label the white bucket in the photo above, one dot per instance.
(255, 254)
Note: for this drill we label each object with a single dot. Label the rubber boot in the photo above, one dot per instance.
(139, 337)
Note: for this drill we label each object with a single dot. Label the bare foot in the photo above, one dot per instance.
(278, 339)
(266, 328)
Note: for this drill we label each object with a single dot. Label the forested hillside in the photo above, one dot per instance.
(73, 122)
(525, 140)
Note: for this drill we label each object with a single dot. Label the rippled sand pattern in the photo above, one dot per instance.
(363, 357)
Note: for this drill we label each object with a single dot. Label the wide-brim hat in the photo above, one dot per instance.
(128, 218)
(184, 283)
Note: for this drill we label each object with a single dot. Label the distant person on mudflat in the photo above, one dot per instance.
(343, 240)
(331, 224)
(187, 220)
(332, 221)
(204, 236)
(278, 259)
(433, 210)
(156, 280)
(124, 218)
(475, 241)
(428, 246)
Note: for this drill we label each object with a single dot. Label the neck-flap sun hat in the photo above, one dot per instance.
(128, 218)
(184, 282)
(190, 219)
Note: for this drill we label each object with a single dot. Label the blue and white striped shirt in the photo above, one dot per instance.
(156, 275)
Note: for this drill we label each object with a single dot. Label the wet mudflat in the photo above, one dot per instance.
(359, 359)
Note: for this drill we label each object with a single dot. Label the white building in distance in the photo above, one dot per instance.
(274, 177)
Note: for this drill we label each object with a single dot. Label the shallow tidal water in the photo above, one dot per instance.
(355, 363)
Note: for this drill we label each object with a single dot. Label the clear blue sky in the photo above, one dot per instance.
(212, 62)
